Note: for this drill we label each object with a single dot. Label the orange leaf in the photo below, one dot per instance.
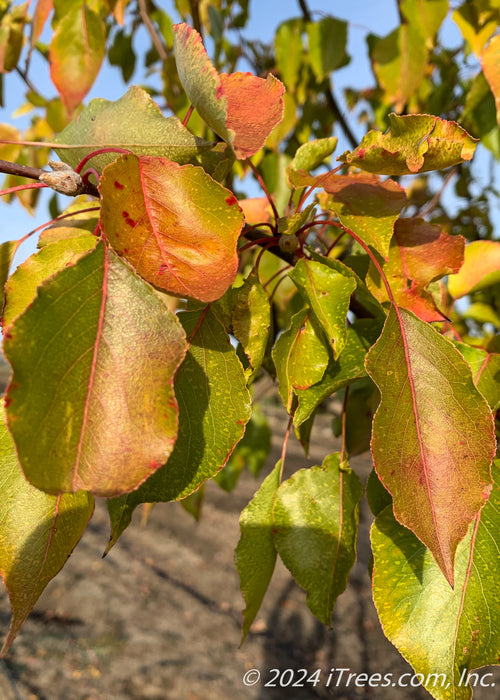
(239, 107)
(175, 224)
(490, 62)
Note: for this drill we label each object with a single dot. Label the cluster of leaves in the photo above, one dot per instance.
(138, 330)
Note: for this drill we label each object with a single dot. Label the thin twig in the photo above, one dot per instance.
(195, 14)
(332, 102)
(430, 206)
(155, 37)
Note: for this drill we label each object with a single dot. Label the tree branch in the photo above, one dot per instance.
(155, 38)
(195, 14)
(34, 174)
(332, 102)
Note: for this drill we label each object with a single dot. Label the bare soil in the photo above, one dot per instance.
(159, 618)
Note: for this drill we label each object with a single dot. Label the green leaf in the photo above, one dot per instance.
(485, 371)
(378, 498)
(328, 293)
(414, 143)
(399, 61)
(135, 123)
(289, 51)
(251, 320)
(476, 25)
(366, 205)
(227, 101)
(81, 223)
(339, 373)
(428, 15)
(300, 356)
(361, 293)
(252, 451)
(77, 50)
(93, 359)
(327, 46)
(433, 434)
(316, 517)
(38, 532)
(214, 407)
(438, 629)
(481, 269)
(22, 285)
(176, 226)
(362, 403)
(311, 155)
(7, 252)
(255, 555)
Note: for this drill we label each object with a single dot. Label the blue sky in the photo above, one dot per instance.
(364, 16)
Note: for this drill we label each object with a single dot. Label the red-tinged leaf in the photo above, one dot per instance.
(366, 205)
(490, 61)
(444, 633)
(103, 123)
(256, 210)
(227, 101)
(40, 15)
(433, 434)
(76, 52)
(38, 532)
(175, 225)
(255, 555)
(414, 143)
(328, 293)
(481, 269)
(315, 518)
(93, 358)
(419, 254)
(214, 407)
(300, 355)
(485, 368)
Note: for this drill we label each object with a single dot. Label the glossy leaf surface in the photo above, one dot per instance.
(328, 293)
(37, 533)
(315, 519)
(436, 463)
(300, 355)
(214, 407)
(440, 630)
(255, 555)
(91, 403)
(414, 143)
(227, 101)
(339, 373)
(175, 225)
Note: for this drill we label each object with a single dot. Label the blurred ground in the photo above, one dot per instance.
(159, 617)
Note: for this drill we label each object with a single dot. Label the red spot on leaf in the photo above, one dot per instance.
(163, 268)
(118, 185)
(240, 422)
(7, 401)
(154, 465)
(361, 153)
(231, 200)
